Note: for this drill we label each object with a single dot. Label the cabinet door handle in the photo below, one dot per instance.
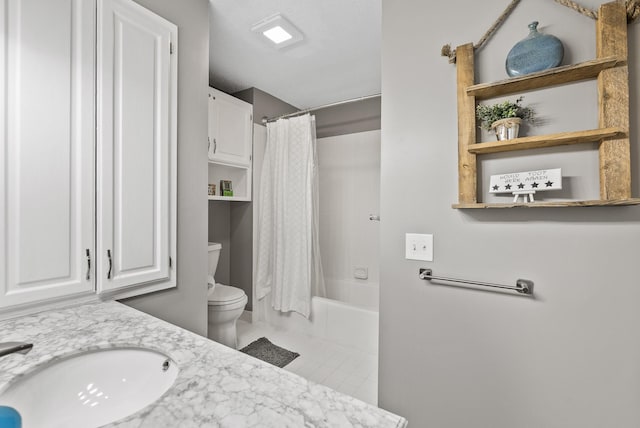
(88, 264)
(110, 264)
(208, 143)
(215, 145)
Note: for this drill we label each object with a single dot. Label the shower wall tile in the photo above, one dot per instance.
(349, 181)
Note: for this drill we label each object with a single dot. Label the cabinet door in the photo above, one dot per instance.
(230, 129)
(137, 71)
(46, 149)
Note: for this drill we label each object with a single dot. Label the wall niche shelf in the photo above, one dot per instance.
(612, 135)
(240, 177)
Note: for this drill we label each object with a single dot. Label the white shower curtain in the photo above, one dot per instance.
(288, 265)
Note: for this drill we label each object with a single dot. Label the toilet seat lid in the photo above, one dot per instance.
(224, 295)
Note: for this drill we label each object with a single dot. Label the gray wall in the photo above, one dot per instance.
(220, 231)
(359, 116)
(344, 119)
(186, 305)
(454, 357)
(264, 104)
(241, 267)
(230, 225)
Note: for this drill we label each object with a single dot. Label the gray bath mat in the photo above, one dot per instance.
(267, 351)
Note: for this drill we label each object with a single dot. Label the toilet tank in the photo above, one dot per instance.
(214, 255)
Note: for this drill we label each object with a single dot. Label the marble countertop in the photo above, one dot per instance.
(216, 386)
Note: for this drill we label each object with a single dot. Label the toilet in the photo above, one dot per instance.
(226, 304)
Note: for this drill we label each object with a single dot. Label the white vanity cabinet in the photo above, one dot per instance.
(46, 149)
(76, 166)
(230, 144)
(137, 92)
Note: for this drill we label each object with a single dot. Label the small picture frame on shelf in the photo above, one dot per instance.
(211, 190)
(226, 188)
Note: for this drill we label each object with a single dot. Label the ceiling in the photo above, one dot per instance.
(338, 59)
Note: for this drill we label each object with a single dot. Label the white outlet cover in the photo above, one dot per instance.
(419, 246)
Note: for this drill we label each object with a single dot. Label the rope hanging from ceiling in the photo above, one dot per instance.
(633, 11)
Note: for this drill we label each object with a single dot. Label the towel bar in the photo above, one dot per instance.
(523, 286)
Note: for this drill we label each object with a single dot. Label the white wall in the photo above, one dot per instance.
(456, 357)
(186, 305)
(349, 185)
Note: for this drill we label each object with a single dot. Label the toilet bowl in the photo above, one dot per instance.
(225, 304)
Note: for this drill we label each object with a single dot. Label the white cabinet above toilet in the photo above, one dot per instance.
(230, 145)
(230, 129)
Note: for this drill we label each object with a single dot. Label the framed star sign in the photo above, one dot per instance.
(526, 183)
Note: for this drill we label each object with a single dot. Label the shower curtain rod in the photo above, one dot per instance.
(305, 111)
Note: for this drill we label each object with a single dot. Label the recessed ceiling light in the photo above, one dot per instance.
(278, 31)
(277, 35)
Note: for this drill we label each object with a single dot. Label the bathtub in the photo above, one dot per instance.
(351, 321)
(362, 294)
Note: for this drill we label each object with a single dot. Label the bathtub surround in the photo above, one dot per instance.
(215, 385)
(349, 191)
(349, 173)
(464, 366)
(356, 292)
(332, 320)
(185, 305)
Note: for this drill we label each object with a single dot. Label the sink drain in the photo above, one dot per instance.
(165, 365)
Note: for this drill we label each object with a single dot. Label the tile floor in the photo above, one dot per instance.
(342, 368)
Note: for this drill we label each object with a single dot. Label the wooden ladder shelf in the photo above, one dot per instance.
(611, 71)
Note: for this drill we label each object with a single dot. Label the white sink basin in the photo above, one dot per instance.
(91, 389)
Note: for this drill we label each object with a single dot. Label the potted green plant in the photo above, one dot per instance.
(504, 118)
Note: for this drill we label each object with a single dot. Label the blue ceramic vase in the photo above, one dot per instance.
(534, 53)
